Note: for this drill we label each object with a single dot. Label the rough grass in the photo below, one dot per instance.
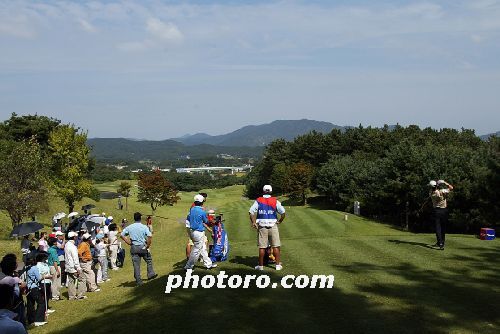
(386, 280)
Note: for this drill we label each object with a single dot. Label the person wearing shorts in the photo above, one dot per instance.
(264, 218)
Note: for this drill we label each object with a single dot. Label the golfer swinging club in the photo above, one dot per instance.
(440, 210)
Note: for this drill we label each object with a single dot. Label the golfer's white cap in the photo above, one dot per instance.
(211, 212)
(59, 233)
(86, 236)
(268, 188)
(199, 198)
(432, 183)
(72, 234)
(110, 218)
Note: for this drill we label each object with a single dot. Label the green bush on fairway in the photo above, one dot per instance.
(386, 280)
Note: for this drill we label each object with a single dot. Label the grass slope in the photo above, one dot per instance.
(386, 280)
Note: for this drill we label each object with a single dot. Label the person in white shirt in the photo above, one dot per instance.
(102, 257)
(75, 280)
(113, 245)
(264, 218)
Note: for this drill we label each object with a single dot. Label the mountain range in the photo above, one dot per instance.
(247, 142)
(260, 135)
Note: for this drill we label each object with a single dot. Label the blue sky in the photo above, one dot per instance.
(160, 69)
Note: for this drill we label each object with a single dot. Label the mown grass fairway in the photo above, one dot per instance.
(386, 280)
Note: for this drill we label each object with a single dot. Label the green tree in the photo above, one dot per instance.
(18, 128)
(299, 181)
(23, 181)
(156, 190)
(124, 190)
(71, 165)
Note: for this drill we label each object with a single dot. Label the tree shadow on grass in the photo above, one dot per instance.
(251, 310)
(413, 243)
(444, 300)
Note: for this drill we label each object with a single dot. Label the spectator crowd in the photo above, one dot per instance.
(78, 256)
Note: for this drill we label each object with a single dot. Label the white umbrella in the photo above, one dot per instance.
(59, 215)
(72, 214)
(98, 220)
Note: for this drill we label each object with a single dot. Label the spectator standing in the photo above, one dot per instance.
(101, 248)
(75, 278)
(85, 258)
(60, 254)
(35, 298)
(25, 246)
(55, 269)
(45, 284)
(113, 245)
(139, 237)
(43, 246)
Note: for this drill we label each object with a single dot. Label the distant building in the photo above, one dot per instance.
(231, 169)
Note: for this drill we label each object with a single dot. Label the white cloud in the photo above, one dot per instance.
(87, 26)
(17, 27)
(167, 32)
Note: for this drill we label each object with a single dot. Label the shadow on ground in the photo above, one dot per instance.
(413, 243)
(424, 301)
(454, 298)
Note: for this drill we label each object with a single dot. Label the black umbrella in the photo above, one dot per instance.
(91, 226)
(26, 228)
(76, 224)
(88, 207)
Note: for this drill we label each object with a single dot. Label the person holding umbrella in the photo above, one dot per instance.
(75, 279)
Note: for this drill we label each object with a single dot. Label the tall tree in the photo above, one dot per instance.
(71, 165)
(299, 181)
(23, 181)
(28, 127)
(156, 190)
(124, 190)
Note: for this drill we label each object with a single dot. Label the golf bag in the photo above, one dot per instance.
(220, 248)
(120, 257)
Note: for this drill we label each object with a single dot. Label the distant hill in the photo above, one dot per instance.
(261, 135)
(485, 137)
(120, 149)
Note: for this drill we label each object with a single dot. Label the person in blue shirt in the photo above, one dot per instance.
(36, 302)
(139, 238)
(197, 223)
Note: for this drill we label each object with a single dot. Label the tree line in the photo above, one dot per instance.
(387, 170)
(40, 157)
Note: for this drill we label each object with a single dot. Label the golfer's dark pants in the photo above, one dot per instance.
(62, 264)
(441, 220)
(137, 253)
(36, 306)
